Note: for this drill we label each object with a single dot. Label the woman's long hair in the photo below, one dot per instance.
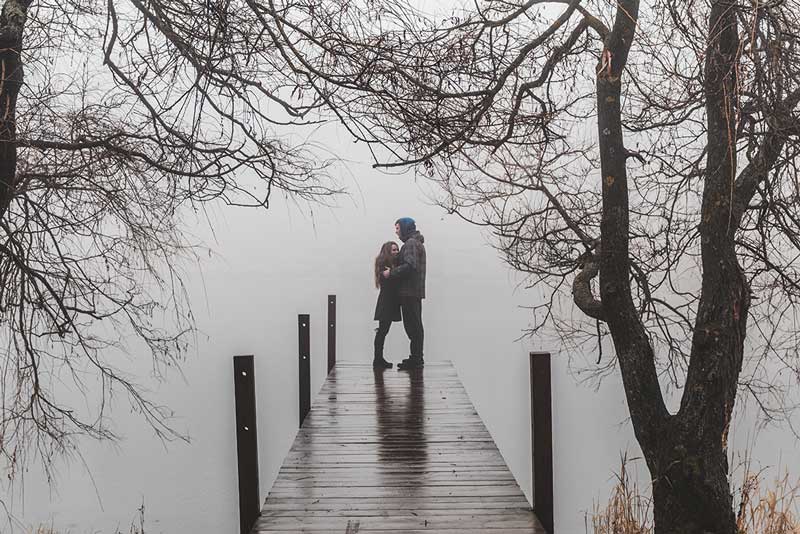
(383, 260)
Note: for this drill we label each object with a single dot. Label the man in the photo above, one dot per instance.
(410, 273)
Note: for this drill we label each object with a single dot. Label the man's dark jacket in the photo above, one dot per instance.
(410, 270)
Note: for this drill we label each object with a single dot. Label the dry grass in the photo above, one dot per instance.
(137, 526)
(774, 509)
(763, 508)
(628, 511)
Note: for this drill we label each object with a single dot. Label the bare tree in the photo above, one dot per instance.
(127, 117)
(640, 160)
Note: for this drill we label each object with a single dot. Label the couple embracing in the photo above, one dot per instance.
(400, 276)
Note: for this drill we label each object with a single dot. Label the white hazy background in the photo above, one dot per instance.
(268, 266)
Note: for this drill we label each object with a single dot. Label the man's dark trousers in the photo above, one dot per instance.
(411, 308)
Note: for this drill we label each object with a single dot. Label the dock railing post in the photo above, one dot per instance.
(331, 332)
(304, 360)
(542, 439)
(246, 442)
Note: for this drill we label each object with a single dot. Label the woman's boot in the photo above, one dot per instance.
(379, 362)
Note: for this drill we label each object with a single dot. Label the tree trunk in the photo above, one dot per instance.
(691, 493)
(686, 452)
(12, 22)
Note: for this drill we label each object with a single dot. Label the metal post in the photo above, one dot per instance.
(304, 358)
(331, 332)
(542, 438)
(246, 442)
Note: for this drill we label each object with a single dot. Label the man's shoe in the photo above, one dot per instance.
(409, 359)
(381, 364)
(411, 364)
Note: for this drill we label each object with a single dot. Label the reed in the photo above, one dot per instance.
(763, 508)
(628, 510)
(768, 509)
(137, 526)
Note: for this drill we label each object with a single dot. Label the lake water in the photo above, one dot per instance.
(269, 266)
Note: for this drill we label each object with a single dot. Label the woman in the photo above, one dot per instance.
(387, 309)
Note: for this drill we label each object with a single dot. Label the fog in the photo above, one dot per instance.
(264, 268)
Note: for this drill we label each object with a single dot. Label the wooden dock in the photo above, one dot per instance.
(395, 452)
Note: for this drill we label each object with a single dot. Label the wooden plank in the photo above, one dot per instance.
(410, 522)
(353, 527)
(385, 451)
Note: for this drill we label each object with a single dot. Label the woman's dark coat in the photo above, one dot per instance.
(388, 306)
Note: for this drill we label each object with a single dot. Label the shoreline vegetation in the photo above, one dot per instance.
(136, 527)
(763, 506)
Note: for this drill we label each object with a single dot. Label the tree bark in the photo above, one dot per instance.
(691, 494)
(637, 363)
(696, 485)
(685, 453)
(12, 23)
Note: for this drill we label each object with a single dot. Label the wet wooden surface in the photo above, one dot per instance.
(395, 451)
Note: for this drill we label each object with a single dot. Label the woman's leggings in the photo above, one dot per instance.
(380, 337)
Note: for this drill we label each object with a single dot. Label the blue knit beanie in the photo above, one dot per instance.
(407, 226)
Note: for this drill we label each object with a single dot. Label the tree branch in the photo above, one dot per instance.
(589, 264)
